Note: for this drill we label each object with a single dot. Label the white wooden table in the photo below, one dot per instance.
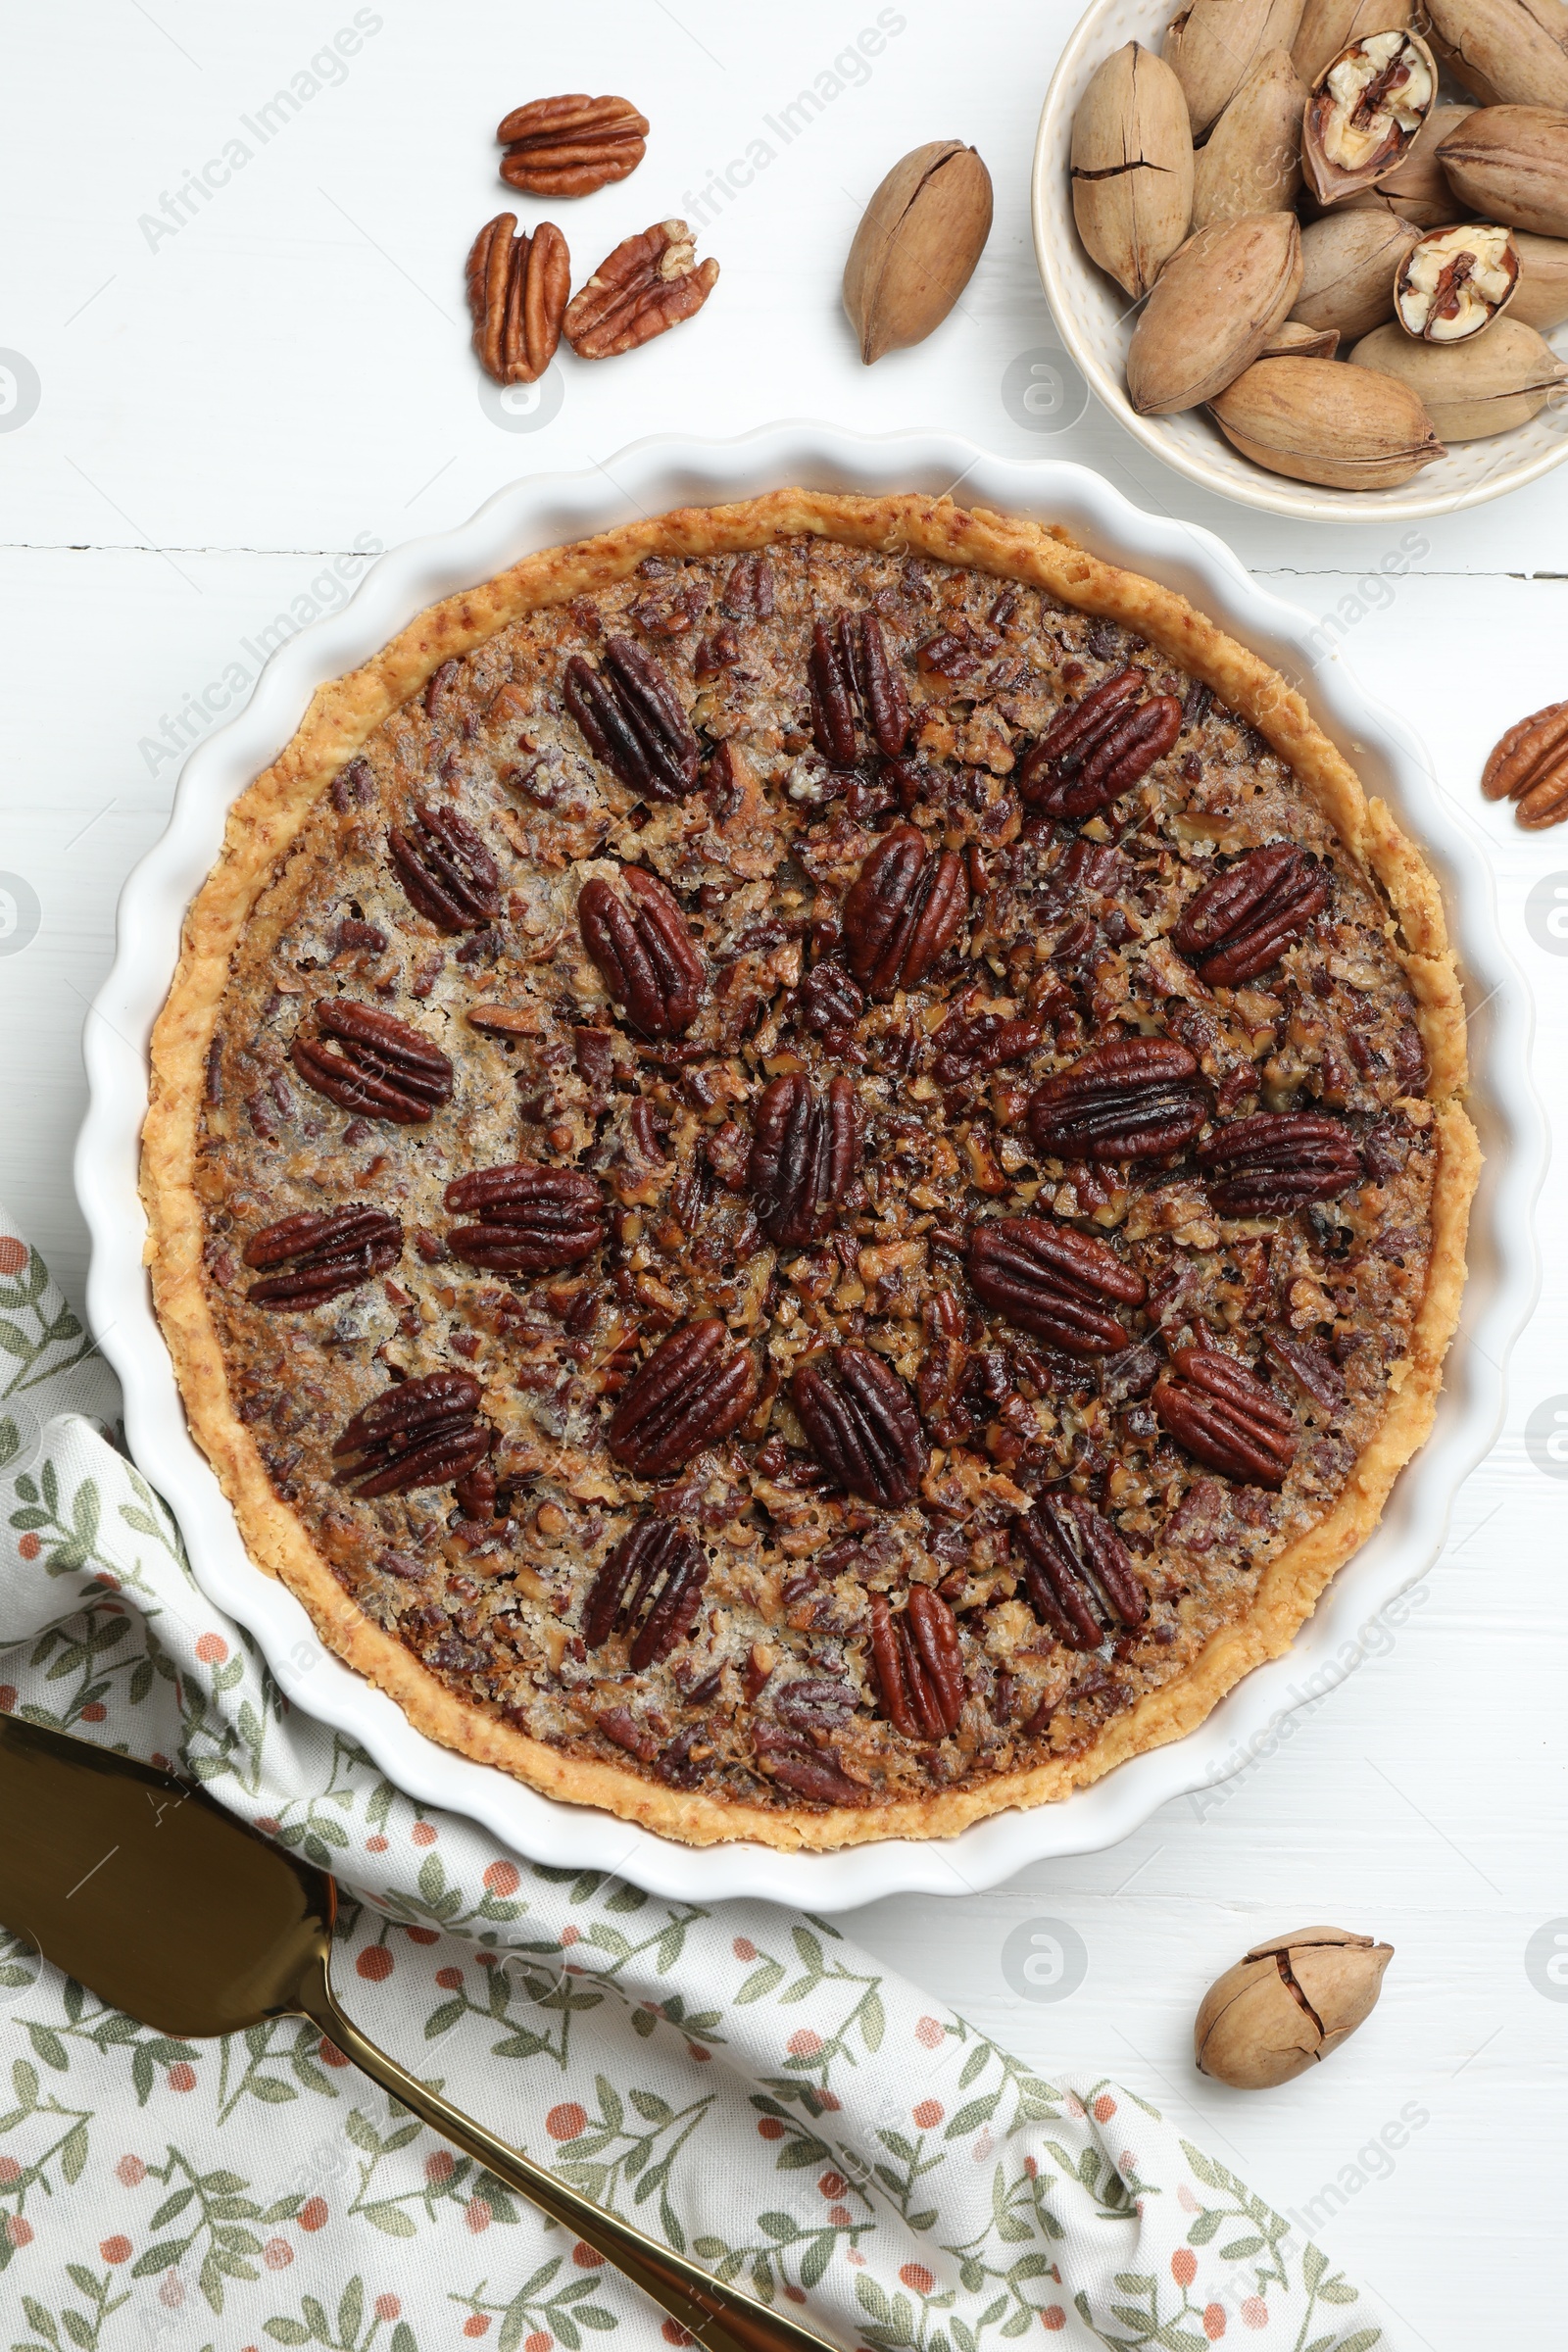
(238, 381)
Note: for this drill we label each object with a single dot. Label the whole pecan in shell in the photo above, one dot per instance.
(420, 1432)
(1094, 752)
(804, 1151)
(862, 1422)
(645, 953)
(1530, 768)
(904, 910)
(1054, 1281)
(692, 1392)
(570, 146)
(918, 1664)
(445, 869)
(1243, 921)
(1225, 1418)
(517, 292)
(634, 719)
(653, 1580)
(1269, 1164)
(650, 283)
(382, 1068)
(1077, 1572)
(324, 1252)
(849, 663)
(1135, 1098)
(971, 1045)
(530, 1219)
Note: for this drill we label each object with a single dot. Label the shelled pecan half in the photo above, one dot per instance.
(381, 1069)
(633, 719)
(1243, 921)
(918, 1664)
(814, 1773)
(517, 292)
(446, 871)
(693, 1389)
(848, 667)
(1091, 754)
(530, 1219)
(420, 1432)
(570, 146)
(321, 1254)
(1225, 1418)
(972, 1044)
(1054, 1281)
(904, 910)
(653, 1580)
(1530, 768)
(829, 999)
(648, 284)
(862, 1424)
(644, 951)
(804, 1151)
(1077, 1572)
(1269, 1164)
(748, 592)
(1135, 1098)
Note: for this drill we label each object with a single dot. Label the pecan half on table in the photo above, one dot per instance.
(1530, 768)
(382, 1068)
(1077, 1572)
(531, 1219)
(1054, 1281)
(918, 1664)
(1243, 921)
(1135, 1098)
(904, 910)
(1225, 1418)
(321, 1254)
(446, 871)
(653, 1580)
(644, 951)
(694, 1389)
(647, 285)
(805, 1152)
(862, 1424)
(517, 292)
(1269, 1164)
(422, 1433)
(634, 721)
(1099, 749)
(850, 663)
(571, 146)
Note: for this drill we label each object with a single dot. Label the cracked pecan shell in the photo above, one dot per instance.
(652, 1580)
(1099, 749)
(1243, 921)
(530, 1219)
(804, 1151)
(517, 292)
(918, 1664)
(446, 871)
(1054, 1281)
(633, 719)
(570, 146)
(1225, 1418)
(1077, 1572)
(862, 1424)
(1134, 1098)
(381, 1068)
(422, 1433)
(321, 1254)
(650, 283)
(904, 910)
(645, 952)
(1272, 1162)
(693, 1389)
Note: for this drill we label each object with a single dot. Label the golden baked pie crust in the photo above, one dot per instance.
(267, 817)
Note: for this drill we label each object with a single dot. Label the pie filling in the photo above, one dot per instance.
(810, 1164)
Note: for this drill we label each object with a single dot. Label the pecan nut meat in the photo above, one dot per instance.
(645, 953)
(530, 1219)
(1077, 1572)
(446, 871)
(1270, 1164)
(321, 1254)
(652, 1580)
(1530, 768)
(829, 1000)
(862, 1424)
(420, 1432)
(648, 284)
(1054, 1282)
(1243, 921)
(1098, 749)
(1226, 1418)
(517, 292)
(573, 145)
(972, 1044)
(848, 665)
(918, 1664)
(904, 910)
(1134, 1098)
(381, 1069)
(634, 721)
(805, 1152)
(691, 1393)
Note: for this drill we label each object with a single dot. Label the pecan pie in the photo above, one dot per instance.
(808, 1168)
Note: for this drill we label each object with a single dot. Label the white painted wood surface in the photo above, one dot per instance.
(227, 406)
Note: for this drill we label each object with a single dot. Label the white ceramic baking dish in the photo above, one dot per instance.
(646, 478)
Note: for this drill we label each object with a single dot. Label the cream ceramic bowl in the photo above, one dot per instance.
(1096, 321)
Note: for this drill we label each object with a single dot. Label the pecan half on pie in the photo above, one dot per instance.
(820, 1187)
